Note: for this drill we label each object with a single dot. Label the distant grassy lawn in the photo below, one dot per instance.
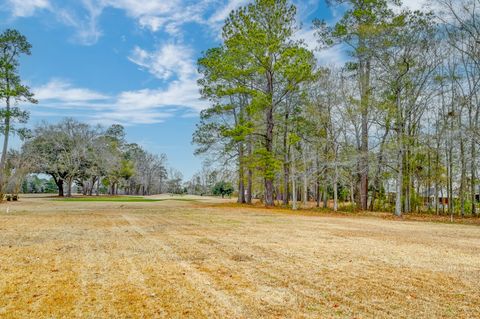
(108, 199)
(130, 199)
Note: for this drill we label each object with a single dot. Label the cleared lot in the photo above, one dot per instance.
(196, 259)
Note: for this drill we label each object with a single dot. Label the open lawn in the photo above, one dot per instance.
(136, 199)
(195, 258)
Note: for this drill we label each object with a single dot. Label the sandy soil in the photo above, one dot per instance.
(194, 259)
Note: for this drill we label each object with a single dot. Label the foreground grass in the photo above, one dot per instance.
(63, 259)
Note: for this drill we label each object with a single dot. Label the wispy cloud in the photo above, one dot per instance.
(420, 4)
(222, 12)
(144, 106)
(85, 22)
(168, 16)
(181, 94)
(26, 8)
(155, 15)
(333, 56)
(130, 117)
(173, 63)
(167, 61)
(87, 30)
(216, 19)
(63, 91)
(306, 7)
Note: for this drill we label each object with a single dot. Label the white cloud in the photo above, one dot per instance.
(149, 13)
(63, 91)
(131, 117)
(183, 94)
(86, 25)
(155, 15)
(160, 14)
(306, 7)
(152, 14)
(167, 61)
(144, 106)
(137, 9)
(170, 62)
(308, 36)
(417, 4)
(333, 56)
(173, 64)
(216, 20)
(222, 12)
(26, 8)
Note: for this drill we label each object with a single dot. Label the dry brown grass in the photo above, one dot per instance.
(199, 260)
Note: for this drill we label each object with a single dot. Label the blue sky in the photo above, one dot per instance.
(131, 62)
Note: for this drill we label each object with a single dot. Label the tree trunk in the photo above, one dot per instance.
(400, 156)
(268, 178)
(286, 184)
(241, 177)
(335, 186)
(376, 179)
(398, 201)
(472, 178)
(94, 181)
(317, 180)
(294, 186)
(462, 175)
(352, 192)
(248, 198)
(364, 104)
(325, 194)
(450, 177)
(407, 178)
(6, 135)
(286, 169)
(59, 182)
(69, 186)
(437, 168)
(429, 177)
(305, 178)
(249, 186)
(241, 191)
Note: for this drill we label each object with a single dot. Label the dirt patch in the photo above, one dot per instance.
(242, 257)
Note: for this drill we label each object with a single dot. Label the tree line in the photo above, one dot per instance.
(394, 128)
(90, 158)
(75, 153)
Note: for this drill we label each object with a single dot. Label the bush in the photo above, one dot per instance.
(222, 188)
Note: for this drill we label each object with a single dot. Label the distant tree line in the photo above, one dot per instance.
(210, 181)
(93, 158)
(89, 159)
(33, 184)
(394, 128)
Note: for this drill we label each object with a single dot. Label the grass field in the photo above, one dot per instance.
(132, 199)
(198, 259)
